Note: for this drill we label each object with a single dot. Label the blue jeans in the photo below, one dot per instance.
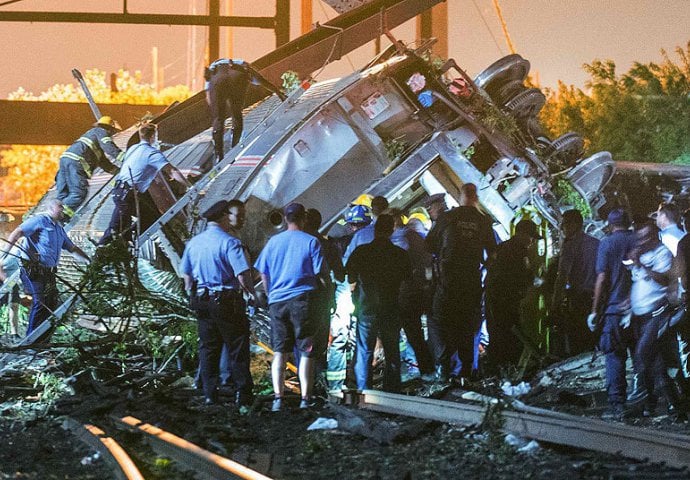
(71, 183)
(387, 327)
(649, 363)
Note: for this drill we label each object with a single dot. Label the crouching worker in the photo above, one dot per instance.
(216, 272)
(45, 240)
(378, 269)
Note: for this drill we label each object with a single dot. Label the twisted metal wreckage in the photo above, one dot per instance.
(400, 127)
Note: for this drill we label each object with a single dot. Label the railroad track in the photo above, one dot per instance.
(540, 424)
(204, 463)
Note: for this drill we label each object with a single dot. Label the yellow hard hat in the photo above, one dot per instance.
(107, 121)
(363, 199)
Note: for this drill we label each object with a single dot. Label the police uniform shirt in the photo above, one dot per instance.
(214, 259)
(142, 162)
(460, 237)
(47, 238)
(291, 260)
(361, 237)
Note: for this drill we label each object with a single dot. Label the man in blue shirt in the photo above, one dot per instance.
(290, 265)
(611, 304)
(378, 269)
(216, 271)
(95, 148)
(142, 163)
(227, 81)
(45, 240)
(365, 235)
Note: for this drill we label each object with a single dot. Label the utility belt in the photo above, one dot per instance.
(36, 269)
(654, 313)
(216, 294)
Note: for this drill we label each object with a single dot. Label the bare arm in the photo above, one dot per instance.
(188, 281)
(246, 282)
(80, 252)
(599, 292)
(174, 174)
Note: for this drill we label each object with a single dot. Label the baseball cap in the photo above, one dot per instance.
(216, 211)
(294, 209)
(619, 217)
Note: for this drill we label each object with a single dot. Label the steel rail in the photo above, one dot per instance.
(187, 453)
(121, 465)
(544, 425)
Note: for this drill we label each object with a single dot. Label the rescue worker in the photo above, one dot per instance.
(365, 235)
(95, 148)
(45, 240)
(435, 205)
(142, 163)
(291, 264)
(460, 240)
(216, 272)
(227, 81)
(683, 328)
(357, 218)
(611, 304)
(509, 276)
(574, 286)
(651, 274)
(412, 292)
(377, 270)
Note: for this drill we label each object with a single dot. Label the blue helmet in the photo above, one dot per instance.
(358, 214)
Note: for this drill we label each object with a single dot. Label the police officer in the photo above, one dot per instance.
(216, 271)
(142, 163)
(460, 240)
(227, 81)
(95, 148)
(45, 239)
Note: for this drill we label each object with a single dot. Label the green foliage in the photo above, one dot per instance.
(394, 148)
(569, 196)
(53, 387)
(468, 153)
(291, 81)
(641, 115)
(497, 121)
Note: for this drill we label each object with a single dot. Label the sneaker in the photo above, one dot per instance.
(306, 403)
(428, 377)
(277, 405)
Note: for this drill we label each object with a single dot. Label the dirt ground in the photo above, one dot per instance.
(279, 444)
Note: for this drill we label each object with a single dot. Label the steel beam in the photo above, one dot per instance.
(139, 18)
(58, 123)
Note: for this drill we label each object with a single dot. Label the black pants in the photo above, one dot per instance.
(455, 320)
(411, 309)
(223, 319)
(125, 209)
(503, 313)
(226, 94)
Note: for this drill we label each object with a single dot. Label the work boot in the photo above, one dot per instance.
(613, 413)
(277, 405)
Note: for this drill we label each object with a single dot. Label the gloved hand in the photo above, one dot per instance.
(592, 321)
(625, 320)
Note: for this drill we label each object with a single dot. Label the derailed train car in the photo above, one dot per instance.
(402, 129)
